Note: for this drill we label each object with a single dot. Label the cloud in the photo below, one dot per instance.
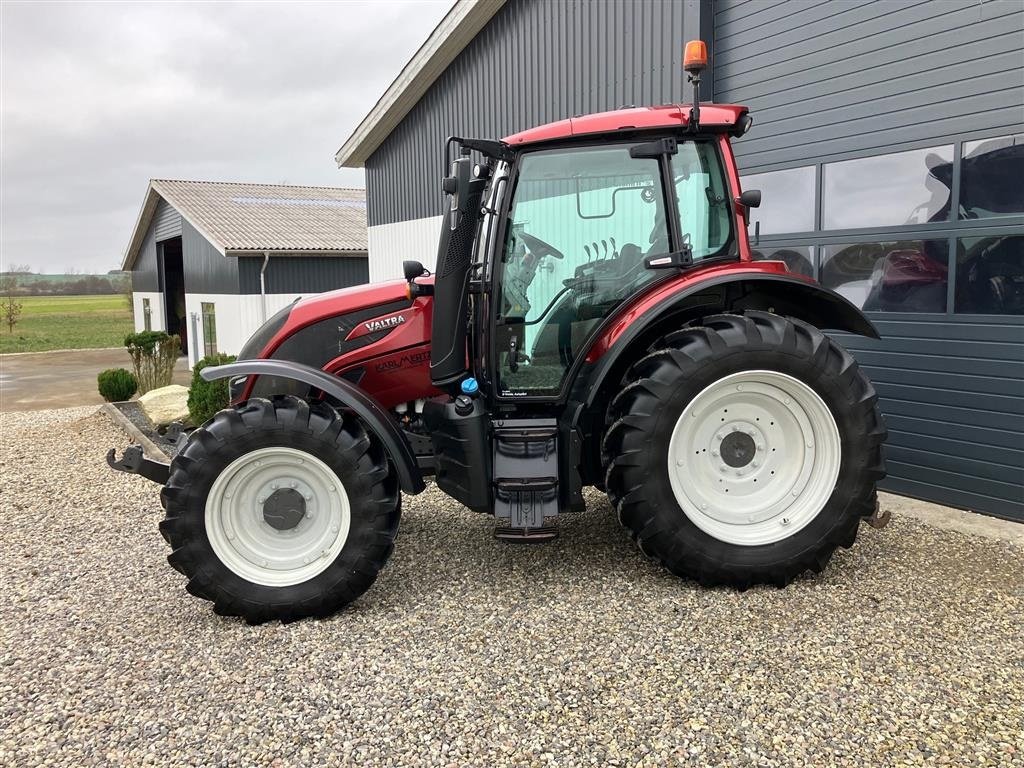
(97, 98)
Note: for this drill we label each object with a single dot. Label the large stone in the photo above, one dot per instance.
(165, 404)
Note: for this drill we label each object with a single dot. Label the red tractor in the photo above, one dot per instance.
(594, 319)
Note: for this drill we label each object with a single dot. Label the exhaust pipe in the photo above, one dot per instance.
(448, 351)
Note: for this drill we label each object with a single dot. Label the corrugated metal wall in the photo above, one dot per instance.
(207, 270)
(297, 274)
(166, 221)
(535, 61)
(828, 80)
(953, 399)
(144, 272)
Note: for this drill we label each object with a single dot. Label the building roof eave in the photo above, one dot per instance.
(455, 31)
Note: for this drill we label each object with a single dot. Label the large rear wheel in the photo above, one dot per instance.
(280, 510)
(745, 450)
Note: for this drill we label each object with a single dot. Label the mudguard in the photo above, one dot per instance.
(374, 417)
(732, 292)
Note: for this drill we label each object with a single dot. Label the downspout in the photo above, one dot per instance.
(263, 286)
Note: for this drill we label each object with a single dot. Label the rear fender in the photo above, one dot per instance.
(640, 326)
(374, 417)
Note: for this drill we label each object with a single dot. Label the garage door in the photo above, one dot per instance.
(893, 177)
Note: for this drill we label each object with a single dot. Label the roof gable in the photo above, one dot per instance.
(238, 218)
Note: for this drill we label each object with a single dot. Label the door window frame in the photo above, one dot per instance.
(729, 252)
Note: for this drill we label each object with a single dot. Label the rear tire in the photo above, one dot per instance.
(727, 498)
(310, 551)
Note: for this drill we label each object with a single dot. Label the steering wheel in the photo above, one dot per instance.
(539, 247)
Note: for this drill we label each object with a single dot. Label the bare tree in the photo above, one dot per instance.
(10, 307)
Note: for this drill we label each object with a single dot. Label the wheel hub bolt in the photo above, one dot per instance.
(785, 521)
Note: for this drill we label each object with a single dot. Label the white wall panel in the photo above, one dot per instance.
(237, 318)
(391, 244)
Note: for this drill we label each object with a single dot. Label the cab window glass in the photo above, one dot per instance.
(705, 210)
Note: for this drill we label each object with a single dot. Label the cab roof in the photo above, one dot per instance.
(712, 116)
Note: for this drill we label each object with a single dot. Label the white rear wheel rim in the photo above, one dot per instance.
(253, 549)
(754, 457)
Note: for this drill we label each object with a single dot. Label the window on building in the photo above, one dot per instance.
(799, 258)
(888, 190)
(147, 313)
(900, 276)
(209, 329)
(992, 177)
(787, 201)
(990, 275)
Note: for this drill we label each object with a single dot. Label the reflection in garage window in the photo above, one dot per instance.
(990, 275)
(787, 201)
(799, 258)
(902, 276)
(992, 177)
(888, 190)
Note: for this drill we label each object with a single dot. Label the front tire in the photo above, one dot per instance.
(280, 509)
(744, 451)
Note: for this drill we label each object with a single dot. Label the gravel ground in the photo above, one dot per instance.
(469, 652)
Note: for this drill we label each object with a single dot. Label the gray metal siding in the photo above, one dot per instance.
(828, 79)
(952, 395)
(536, 61)
(207, 270)
(166, 221)
(296, 274)
(144, 272)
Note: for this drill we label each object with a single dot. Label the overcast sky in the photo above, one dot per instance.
(97, 98)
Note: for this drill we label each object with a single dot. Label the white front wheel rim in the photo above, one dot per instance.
(248, 545)
(754, 457)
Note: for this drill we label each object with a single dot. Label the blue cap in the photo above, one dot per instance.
(470, 386)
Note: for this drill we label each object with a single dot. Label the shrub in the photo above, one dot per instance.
(153, 354)
(205, 398)
(117, 384)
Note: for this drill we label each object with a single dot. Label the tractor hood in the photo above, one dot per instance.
(372, 335)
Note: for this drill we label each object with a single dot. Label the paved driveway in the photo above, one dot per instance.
(41, 380)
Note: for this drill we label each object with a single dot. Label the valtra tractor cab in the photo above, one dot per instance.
(594, 318)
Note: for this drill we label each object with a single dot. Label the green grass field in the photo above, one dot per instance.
(68, 322)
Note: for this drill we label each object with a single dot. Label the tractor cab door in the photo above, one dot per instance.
(581, 223)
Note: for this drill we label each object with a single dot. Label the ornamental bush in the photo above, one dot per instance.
(117, 384)
(153, 354)
(205, 398)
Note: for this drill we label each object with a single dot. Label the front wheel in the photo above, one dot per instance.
(745, 450)
(280, 510)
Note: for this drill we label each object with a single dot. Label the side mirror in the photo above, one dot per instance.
(412, 270)
(751, 198)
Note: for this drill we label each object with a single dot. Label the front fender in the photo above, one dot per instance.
(374, 417)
